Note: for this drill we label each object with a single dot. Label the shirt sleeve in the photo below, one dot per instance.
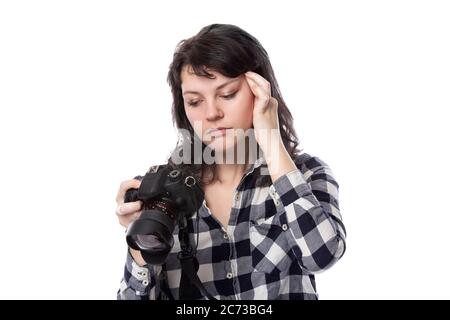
(311, 217)
(138, 283)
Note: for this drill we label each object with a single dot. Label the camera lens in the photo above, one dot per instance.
(148, 242)
(152, 235)
(152, 243)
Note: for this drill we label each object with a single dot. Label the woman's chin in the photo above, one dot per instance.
(219, 148)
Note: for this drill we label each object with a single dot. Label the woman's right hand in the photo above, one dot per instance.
(129, 211)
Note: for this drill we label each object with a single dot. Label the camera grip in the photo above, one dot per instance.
(131, 194)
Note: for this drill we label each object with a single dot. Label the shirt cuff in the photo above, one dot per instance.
(289, 187)
(138, 278)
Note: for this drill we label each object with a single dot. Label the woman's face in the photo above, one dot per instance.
(217, 107)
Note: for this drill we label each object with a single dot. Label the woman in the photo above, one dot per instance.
(269, 221)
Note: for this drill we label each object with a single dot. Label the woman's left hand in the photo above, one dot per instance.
(265, 111)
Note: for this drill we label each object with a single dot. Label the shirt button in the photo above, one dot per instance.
(284, 227)
(229, 275)
(145, 282)
(237, 197)
(225, 236)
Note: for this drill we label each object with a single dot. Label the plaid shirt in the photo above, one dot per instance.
(278, 237)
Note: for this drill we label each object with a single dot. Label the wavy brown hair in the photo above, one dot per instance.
(231, 51)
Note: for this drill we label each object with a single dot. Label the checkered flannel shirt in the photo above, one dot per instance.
(277, 238)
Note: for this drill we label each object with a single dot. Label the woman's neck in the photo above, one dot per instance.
(230, 174)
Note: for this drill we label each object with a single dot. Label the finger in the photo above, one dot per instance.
(124, 209)
(273, 102)
(260, 81)
(124, 186)
(257, 88)
(137, 215)
(125, 221)
(259, 92)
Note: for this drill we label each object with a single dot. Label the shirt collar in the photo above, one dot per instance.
(258, 163)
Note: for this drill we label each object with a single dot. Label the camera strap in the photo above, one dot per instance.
(190, 285)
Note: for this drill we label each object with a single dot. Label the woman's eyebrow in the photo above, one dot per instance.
(217, 88)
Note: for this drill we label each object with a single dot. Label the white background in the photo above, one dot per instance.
(84, 104)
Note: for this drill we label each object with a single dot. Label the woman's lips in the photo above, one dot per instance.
(218, 132)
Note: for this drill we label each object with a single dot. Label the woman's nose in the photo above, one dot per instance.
(213, 112)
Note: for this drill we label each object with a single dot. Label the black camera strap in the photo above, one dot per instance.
(190, 285)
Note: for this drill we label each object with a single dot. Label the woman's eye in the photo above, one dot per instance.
(230, 96)
(193, 103)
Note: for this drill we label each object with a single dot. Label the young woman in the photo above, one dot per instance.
(269, 222)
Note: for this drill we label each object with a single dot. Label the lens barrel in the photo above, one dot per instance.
(152, 235)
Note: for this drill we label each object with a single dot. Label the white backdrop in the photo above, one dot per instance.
(84, 104)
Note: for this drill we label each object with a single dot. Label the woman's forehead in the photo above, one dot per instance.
(188, 73)
(193, 82)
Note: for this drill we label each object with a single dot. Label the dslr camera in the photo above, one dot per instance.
(169, 197)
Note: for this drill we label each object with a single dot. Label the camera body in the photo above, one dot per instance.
(169, 197)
